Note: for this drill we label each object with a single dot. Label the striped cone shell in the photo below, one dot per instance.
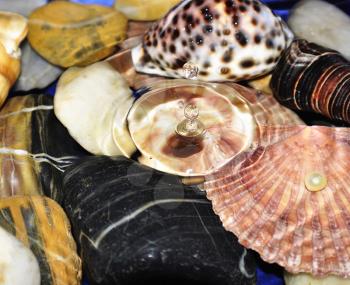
(266, 200)
(309, 77)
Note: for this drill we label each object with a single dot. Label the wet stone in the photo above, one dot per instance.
(135, 225)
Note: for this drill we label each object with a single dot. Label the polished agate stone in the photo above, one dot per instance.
(41, 225)
(135, 225)
(35, 148)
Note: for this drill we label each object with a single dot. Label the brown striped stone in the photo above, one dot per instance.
(42, 226)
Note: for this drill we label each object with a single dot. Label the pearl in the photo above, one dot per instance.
(315, 181)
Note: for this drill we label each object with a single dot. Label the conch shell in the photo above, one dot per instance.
(313, 78)
(13, 31)
(226, 40)
(288, 198)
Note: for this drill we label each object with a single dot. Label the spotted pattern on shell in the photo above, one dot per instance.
(226, 39)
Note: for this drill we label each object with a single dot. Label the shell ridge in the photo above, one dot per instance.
(337, 238)
(250, 205)
(286, 223)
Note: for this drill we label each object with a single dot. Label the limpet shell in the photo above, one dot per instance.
(262, 198)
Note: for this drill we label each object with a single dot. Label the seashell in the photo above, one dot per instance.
(13, 31)
(122, 62)
(39, 223)
(68, 34)
(225, 40)
(137, 29)
(228, 116)
(287, 199)
(322, 23)
(312, 78)
(307, 279)
(35, 148)
(21, 7)
(78, 99)
(144, 223)
(18, 264)
(141, 10)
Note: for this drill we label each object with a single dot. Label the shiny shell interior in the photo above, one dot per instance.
(228, 122)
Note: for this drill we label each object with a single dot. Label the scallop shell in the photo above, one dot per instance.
(13, 31)
(313, 78)
(226, 40)
(95, 114)
(230, 114)
(288, 198)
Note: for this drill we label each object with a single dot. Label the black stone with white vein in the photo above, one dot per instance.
(135, 225)
(50, 137)
(35, 148)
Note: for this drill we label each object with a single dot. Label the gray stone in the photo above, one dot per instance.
(36, 72)
(23, 7)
